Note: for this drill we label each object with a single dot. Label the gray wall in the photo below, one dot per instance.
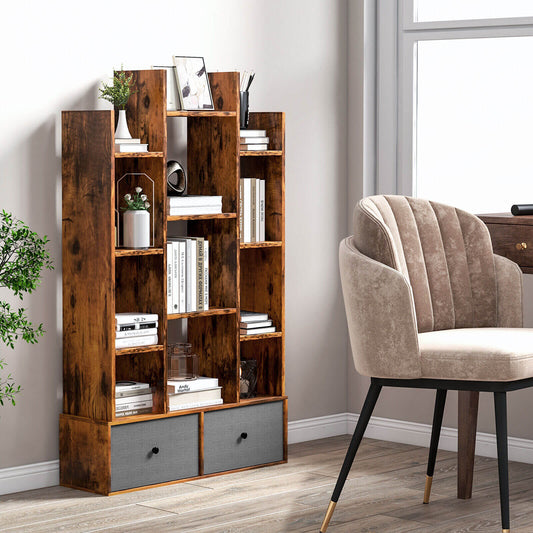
(56, 54)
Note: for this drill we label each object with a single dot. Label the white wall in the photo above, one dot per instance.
(56, 53)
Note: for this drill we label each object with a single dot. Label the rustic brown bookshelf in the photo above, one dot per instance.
(106, 454)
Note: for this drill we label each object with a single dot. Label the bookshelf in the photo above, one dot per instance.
(106, 454)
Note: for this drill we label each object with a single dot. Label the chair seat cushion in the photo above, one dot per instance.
(477, 354)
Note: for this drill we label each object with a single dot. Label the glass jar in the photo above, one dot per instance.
(182, 363)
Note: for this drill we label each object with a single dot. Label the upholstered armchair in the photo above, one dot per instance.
(430, 306)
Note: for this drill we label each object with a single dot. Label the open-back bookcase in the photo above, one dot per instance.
(106, 454)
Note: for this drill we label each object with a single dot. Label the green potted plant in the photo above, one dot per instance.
(118, 94)
(23, 255)
(136, 220)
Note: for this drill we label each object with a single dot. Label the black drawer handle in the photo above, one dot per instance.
(244, 435)
(155, 450)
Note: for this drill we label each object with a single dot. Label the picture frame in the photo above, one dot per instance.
(173, 100)
(193, 83)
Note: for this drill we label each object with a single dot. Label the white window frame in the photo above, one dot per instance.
(396, 57)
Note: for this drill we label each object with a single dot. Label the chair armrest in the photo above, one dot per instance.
(508, 292)
(381, 316)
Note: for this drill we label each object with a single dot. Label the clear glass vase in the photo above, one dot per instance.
(182, 363)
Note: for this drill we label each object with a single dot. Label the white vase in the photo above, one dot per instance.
(122, 131)
(137, 228)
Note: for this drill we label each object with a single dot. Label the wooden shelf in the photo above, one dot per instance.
(173, 218)
(198, 314)
(139, 349)
(122, 155)
(261, 244)
(128, 252)
(246, 338)
(256, 153)
(206, 113)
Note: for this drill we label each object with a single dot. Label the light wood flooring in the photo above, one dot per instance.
(382, 494)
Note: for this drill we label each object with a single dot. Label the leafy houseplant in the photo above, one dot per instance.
(136, 220)
(118, 94)
(23, 255)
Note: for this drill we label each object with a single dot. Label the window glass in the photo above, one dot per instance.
(428, 10)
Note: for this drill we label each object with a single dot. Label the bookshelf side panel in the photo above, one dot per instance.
(88, 263)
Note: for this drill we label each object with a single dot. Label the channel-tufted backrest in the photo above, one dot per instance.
(445, 253)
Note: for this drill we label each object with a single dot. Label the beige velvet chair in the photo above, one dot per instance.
(430, 306)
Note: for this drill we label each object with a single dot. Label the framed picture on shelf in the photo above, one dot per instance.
(173, 99)
(193, 83)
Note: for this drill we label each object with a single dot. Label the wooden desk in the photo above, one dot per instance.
(511, 237)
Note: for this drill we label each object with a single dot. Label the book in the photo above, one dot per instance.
(122, 140)
(253, 316)
(247, 212)
(197, 405)
(254, 140)
(200, 210)
(170, 274)
(253, 147)
(191, 275)
(129, 386)
(262, 193)
(126, 406)
(137, 325)
(131, 318)
(206, 275)
(175, 285)
(132, 342)
(184, 400)
(253, 208)
(131, 147)
(182, 272)
(135, 392)
(132, 412)
(123, 400)
(193, 201)
(257, 331)
(241, 207)
(252, 325)
(199, 289)
(191, 385)
(135, 333)
(252, 133)
(257, 204)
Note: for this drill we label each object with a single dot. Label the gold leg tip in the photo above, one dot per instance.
(427, 488)
(506, 531)
(327, 518)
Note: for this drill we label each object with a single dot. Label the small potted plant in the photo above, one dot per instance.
(136, 220)
(118, 94)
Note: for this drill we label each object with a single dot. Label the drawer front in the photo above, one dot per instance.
(243, 436)
(509, 240)
(134, 464)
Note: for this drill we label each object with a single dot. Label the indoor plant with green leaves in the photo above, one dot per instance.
(23, 256)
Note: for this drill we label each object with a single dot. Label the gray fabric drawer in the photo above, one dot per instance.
(225, 449)
(133, 464)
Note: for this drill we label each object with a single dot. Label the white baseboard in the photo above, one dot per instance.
(40, 475)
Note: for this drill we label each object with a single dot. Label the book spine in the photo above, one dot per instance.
(175, 281)
(169, 278)
(135, 333)
(134, 405)
(202, 210)
(182, 273)
(191, 274)
(206, 275)
(131, 342)
(134, 412)
(133, 319)
(194, 405)
(246, 201)
(253, 206)
(179, 387)
(134, 392)
(241, 213)
(122, 400)
(194, 201)
(257, 210)
(257, 331)
(124, 390)
(200, 274)
(262, 193)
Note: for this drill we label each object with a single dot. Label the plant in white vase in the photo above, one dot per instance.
(118, 94)
(136, 220)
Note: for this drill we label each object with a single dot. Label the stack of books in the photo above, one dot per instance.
(129, 145)
(253, 323)
(194, 205)
(133, 398)
(135, 329)
(187, 275)
(200, 392)
(254, 140)
(252, 209)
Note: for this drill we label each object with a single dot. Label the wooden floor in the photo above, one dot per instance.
(383, 494)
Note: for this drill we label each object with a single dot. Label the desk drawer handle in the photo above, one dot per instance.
(155, 450)
(521, 246)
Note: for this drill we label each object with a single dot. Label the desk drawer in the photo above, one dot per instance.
(506, 237)
(243, 436)
(134, 464)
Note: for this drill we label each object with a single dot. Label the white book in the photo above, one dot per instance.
(254, 140)
(193, 201)
(186, 398)
(190, 385)
(247, 208)
(131, 412)
(131, 147)
(257, 210)
(131, 342)
(121, 140)
(206, 275)
(136, 398)
(182, 276)
(200, 210)
(253, 133)
(175, 277)
(252, 316)
(135, 333)
(127, 386)
(241, 213)
(253, 147)
(253, 205)
(257, 331)
(133, 405)
(170, 274)
(197, 405)
(137, 325)
(136, 392)
(191, 275)
(259, 324)
(199, 271)
(262, 193)
(131, 318)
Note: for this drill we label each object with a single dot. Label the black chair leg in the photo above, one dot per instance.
(500, 409)
(440, 400)
(364, 417)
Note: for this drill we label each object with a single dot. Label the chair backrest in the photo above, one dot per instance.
(445, 253)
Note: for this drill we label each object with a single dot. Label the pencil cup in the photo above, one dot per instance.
(245, 112)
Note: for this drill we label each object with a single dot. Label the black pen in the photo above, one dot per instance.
(250, 81)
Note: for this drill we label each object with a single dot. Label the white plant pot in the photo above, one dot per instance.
(137, 229)
(122, 131)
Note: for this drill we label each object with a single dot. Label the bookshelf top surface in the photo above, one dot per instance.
(200, 113)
